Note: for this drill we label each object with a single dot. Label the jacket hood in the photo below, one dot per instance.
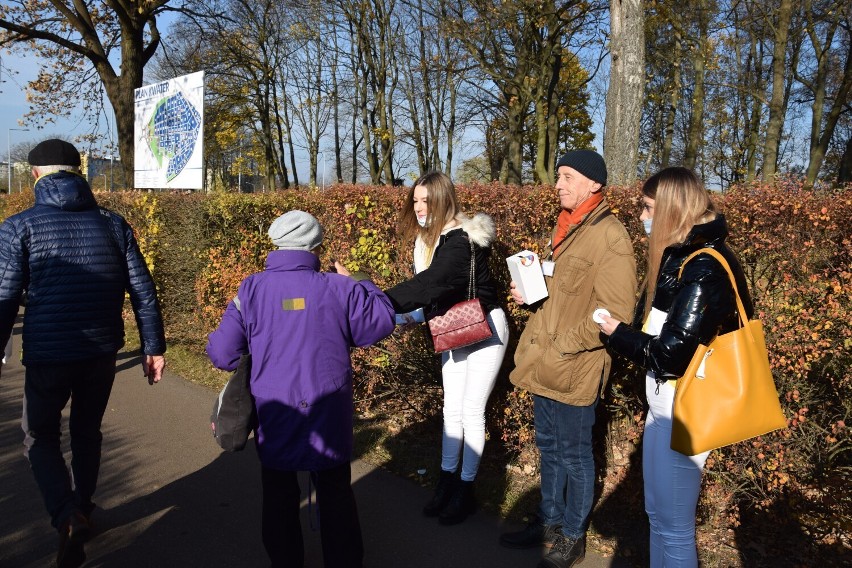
(480, 229)
(64, 190)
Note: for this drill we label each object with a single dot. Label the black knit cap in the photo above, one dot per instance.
(587, 162)
(54, 152)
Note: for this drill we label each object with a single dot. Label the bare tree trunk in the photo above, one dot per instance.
(513, 163)
(451, 126)
(695, 130)
(540, 174)
(777, 109)
(670, 111)
(625, 94)
(844, 175)
(282, 134)
(288, 128)
(547, 127)
(335, 94)
(821, 135)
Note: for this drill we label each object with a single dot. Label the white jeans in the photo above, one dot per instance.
(672, 482)
(469, 375)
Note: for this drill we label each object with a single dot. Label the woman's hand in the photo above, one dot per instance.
(609, 324)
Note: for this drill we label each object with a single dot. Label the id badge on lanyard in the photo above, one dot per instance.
(547, 266)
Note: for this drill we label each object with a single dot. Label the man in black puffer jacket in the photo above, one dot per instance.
(75, 260)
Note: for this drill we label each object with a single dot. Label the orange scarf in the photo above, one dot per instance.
(569, 218)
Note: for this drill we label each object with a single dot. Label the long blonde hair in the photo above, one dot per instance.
(443, 208)
(680, 202)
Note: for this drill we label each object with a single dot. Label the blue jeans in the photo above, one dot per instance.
(47, 389)
(563, 434)
(672, 484)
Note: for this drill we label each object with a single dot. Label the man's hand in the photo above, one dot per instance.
(516, 295)
(152, 367)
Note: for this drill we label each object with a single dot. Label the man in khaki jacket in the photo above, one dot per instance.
(560, 358)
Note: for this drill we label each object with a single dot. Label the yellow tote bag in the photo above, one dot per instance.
(727, 393)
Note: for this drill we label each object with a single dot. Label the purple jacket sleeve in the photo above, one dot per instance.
(228, 341)
(371, 314)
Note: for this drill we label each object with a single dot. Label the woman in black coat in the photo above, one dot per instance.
(673, 318)
(442, 236)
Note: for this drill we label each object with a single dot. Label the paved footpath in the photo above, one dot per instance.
(168, 497)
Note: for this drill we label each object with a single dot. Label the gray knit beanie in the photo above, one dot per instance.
(296, 230)
(587, 162)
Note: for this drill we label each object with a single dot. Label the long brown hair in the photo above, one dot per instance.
(680, 202)
(443, 207)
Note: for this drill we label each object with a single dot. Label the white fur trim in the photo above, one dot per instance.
(480, 228)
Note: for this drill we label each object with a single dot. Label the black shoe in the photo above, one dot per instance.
(73, 534)
(443, 492)
(461, 504)
(566, 552)
(535, 534)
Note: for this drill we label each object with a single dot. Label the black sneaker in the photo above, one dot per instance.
(535, 534)
(566, 552)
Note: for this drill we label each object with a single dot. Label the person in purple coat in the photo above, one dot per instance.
(299, 324)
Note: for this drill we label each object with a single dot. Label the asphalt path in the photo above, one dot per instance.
(169, 497)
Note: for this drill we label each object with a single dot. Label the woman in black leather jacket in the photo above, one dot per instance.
(674, 316)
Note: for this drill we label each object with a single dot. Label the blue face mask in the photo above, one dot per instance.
(647, 224)
(422, 222)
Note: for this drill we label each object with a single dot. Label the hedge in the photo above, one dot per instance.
(795, 245)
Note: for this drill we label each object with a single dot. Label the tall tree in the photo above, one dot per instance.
(373, 33)
(63, 32)
(520, 46)
(823, 21)
(700, 52)
(626, 86)
(782, 18)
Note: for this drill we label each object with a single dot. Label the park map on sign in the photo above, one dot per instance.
(172, 132)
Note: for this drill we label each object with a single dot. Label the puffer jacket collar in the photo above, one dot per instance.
(710, 234)
(64, 190)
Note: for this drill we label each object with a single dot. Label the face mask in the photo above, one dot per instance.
(647, 224)
(422, 222)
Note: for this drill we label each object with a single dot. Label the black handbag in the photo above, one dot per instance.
(234, 415)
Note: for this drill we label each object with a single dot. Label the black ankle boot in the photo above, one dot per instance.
(443, 492)
(460, 506)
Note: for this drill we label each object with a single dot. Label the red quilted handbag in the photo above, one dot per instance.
(462, 324)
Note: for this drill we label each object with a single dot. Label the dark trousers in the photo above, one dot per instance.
(47, 389)
(340, 530)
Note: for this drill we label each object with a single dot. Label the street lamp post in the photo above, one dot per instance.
(9, 148)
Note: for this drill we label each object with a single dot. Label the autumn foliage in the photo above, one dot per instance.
(795, 246)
